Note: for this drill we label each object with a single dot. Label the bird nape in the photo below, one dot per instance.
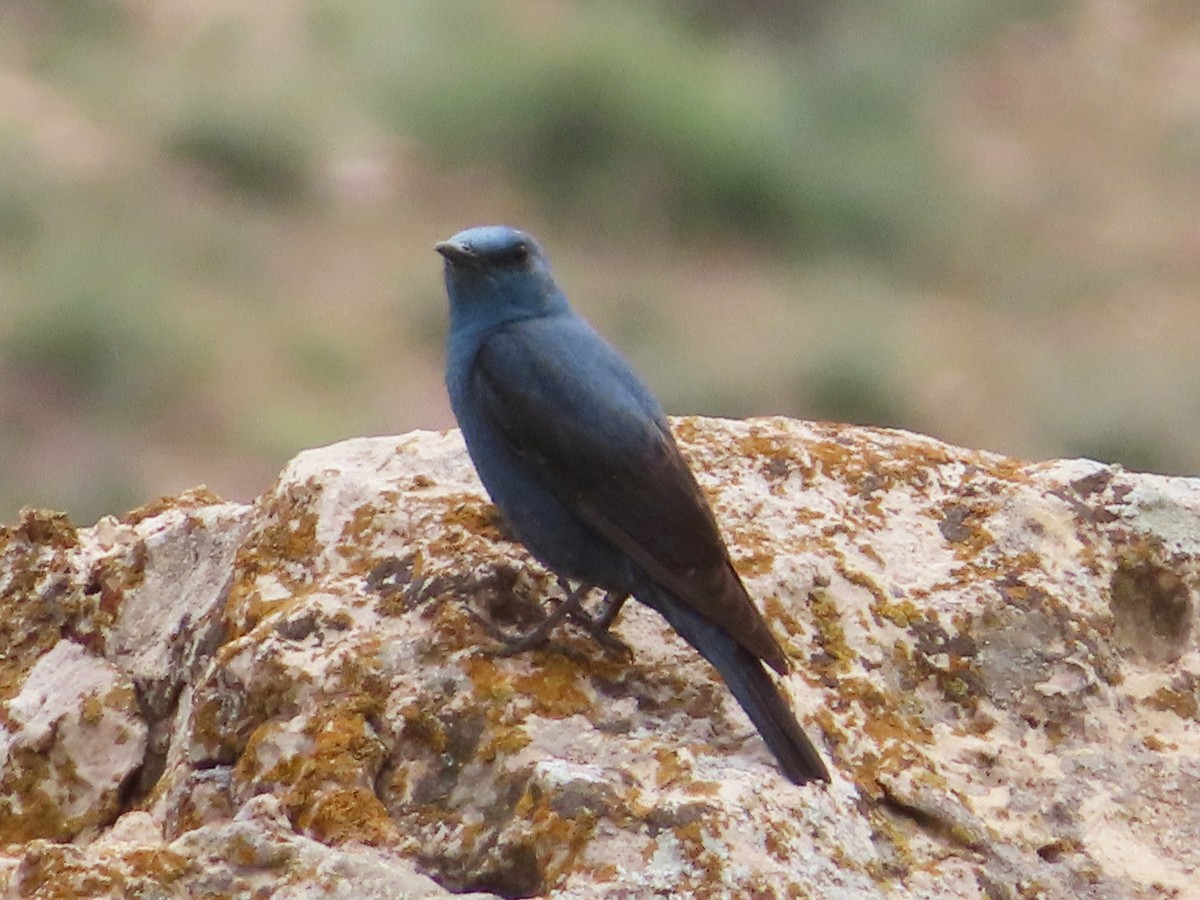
(577, 454)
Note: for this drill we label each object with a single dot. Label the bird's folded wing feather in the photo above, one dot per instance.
(577, 413)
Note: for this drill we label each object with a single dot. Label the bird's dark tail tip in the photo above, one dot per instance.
(754, 689)
(774, 719)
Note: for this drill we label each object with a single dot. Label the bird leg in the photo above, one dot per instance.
(609, 612)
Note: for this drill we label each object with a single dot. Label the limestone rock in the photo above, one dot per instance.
(998, 659)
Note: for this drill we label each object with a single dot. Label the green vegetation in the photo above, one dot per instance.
(215, 224)
(638, 119)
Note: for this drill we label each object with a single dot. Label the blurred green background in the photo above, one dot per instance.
(977, 219)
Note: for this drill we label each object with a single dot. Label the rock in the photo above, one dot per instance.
(72, 737)
(998, 659)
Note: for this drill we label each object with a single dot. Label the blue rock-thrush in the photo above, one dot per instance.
(577, 454)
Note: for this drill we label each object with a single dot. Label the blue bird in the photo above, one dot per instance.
(577, 454)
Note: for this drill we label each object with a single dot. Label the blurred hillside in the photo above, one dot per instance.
(977, 220)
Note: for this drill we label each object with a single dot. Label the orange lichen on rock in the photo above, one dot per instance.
(995, 658)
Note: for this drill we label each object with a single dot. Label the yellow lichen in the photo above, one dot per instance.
(195, 498)
(1182, 702)
(554, 685)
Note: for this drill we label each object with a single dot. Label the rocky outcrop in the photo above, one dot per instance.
(998, 659)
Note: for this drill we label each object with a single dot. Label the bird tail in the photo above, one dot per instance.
(751, 686)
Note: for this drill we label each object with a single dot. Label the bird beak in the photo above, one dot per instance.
(456, 252)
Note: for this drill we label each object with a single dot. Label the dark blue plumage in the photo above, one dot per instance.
(577, 454)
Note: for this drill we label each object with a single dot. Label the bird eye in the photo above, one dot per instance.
(520, 253)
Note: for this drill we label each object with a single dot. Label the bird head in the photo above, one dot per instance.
(496, 274)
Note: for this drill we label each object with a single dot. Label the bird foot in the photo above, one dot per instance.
(597, 626)
(512, 645)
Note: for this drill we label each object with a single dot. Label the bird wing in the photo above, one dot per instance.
(570, 404)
